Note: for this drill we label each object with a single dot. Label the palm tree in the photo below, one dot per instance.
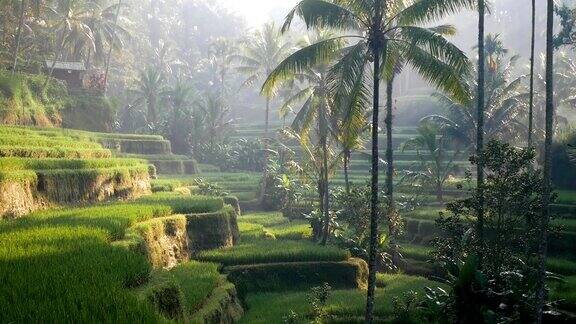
(480, 101)
(182, 98)
(317, 107)
(112, 32)
(262, 54)
(24, 4)
(352, 125)
(71, 26)
(216, 119)
(435, 164)
(221, 53)
(532, 61)
(502, 111)
(150, 89)
(103, 24)
(547, 190)
(383, 31)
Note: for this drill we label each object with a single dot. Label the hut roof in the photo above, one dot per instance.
(74, 66)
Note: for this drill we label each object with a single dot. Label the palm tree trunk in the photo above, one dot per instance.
(265, 171)
(480, 127)
(547, 190)
(378, 47)
(58, 54)
(532, 54)
(326, 198)
(110, 49)
(18, 39)
(323, 127)
(390, 174)
(346, 166)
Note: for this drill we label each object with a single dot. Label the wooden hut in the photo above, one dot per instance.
(70, 72)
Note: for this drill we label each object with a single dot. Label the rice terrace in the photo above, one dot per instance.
(288, 161)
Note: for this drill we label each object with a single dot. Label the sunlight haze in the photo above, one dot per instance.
(257, 12)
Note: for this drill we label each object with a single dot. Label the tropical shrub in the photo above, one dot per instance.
(502, 288)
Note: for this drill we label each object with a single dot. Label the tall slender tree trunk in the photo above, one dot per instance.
(265, 171)
(326, 198)
(58, 54)
(109, 57)
(346, 166)
(18, 38)
(547, 190)
(323, 127)
(391, 211)
(532, 58)
(378, 46)
(480, 125)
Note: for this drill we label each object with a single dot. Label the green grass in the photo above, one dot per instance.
(426, 213)
(561, 266)
(266, 219)
(182, 204)
(194, 280)
(73, 265)
(53, 152)
(568, 225)
(566, 197)
(164, 185)
(275, 224)
(416, 252)
(565, 293)
(59, 266)
(272, 251)
(272, 307)
(16, 164)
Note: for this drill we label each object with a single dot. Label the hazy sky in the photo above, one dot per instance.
(257, 12)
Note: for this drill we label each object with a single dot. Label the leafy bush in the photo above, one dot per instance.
(503, 287)
(91, 113)
(24, 101)
(241, 154)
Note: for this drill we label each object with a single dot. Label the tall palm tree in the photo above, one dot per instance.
(436, 163)
(502, 112)
(318, 107)
(71, 25)
(480, 123)
(182, 97)
(217, 121)
(532, 61)
(262, 54)
(109, 32)
(547, 190)
(383, 31)
(24, 4)
(150, 90)
(221, 51)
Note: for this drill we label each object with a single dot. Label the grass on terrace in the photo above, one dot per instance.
(60, 265)
(347, 304)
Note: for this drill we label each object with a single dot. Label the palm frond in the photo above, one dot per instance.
(425, 11)
(306, 58)
(319, 14)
